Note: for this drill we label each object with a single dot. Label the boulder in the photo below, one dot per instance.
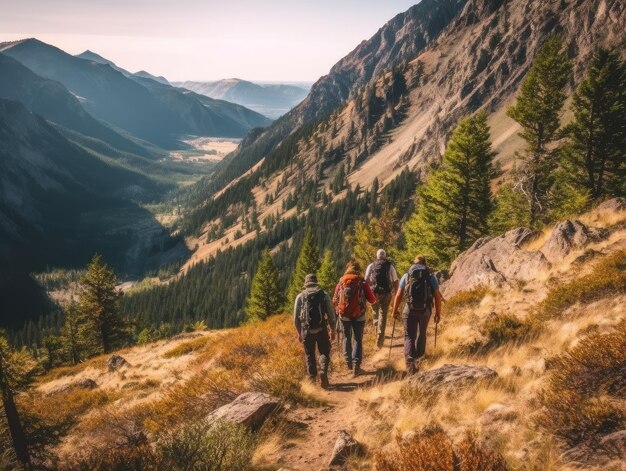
(85, 383)
(449, 377)
(567, 236)
(116, 362)
(345, 446)
(614, 444)
(250, 409)
(495, 261)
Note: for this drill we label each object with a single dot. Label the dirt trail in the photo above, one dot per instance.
(318, 426)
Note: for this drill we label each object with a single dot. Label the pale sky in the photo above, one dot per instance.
(279, 40)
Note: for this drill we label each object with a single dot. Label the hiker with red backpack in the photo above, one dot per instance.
(313, 316)
(382, 277)
(420, 290)
(351, 294)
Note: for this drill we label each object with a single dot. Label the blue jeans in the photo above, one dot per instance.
(353, 354)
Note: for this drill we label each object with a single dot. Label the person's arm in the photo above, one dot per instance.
(369, 294)
(397, 300)
(368, 272)
(296, 318)
(332, 320)
(438, 299)
(395, 282)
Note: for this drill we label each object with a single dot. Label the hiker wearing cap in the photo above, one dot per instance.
(382, 277)
(420, 290)
(351, 294)
(313, 315)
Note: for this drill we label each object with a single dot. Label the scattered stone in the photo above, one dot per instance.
(496, 414)
(250, 409)
(116, 362)
(451, 376)
(613, 205)
(345, 446)
(495, 261)
(567, 236)
(85, 383)
(615, 444)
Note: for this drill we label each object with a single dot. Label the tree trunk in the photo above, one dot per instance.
(15, 428)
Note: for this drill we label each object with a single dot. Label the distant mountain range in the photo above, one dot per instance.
(270, 99)
(129, 102)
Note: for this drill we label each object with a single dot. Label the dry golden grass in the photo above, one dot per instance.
(608, 278)
(187, 347)
(465, 299)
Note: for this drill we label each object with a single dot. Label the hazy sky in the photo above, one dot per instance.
(203, 40)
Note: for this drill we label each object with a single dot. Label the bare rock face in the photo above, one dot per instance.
(567, 236)
(495, 261)
(85, 383)
(449, 377)
(250, 409)
(116, 362)
(345, 446)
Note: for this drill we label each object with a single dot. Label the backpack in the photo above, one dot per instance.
(417, 291)
(311, 314)
(350, 298)
(382, 280)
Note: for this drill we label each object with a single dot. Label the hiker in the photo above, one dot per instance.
(382, 277)
(419, 288)
(350, 296)
(313, 315)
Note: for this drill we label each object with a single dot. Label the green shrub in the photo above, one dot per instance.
(501, 329)
(580, 400)
(466, 299)
(607, 278)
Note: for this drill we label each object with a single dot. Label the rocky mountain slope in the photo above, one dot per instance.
(403, 118)
(492, 375)
(115, 98)
(268, 99)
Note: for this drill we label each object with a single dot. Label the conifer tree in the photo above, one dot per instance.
(308, 262)
(455, 201)
(510, 210)
(595, 159)
(328, 275)
(378, 233)
(99, 302)
(73, 345)
(265, 295)
(16, 372)
(538, 111)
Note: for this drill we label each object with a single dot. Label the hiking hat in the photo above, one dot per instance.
(420, 259)
(381, 254)
(310, 279)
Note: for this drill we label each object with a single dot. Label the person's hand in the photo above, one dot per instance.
(299, 337)
(437, 317)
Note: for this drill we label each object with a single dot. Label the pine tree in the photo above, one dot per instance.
(455, 201)
(595, 159)
(510, 211)
(328, 274)
(538, 110)
(99, 302)
(73, 343)
(17, 369)
(265, 295)
(308, 262)
(378, 233)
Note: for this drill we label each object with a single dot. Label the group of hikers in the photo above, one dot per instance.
(318, 319)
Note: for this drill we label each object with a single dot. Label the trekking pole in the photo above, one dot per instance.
(393, 331)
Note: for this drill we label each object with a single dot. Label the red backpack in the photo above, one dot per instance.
(350, 297)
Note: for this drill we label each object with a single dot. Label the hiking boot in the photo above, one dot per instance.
(357, 370)
(379, 342)
(349, 365)
(324, 381)
(411, 368)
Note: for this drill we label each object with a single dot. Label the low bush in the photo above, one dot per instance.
(607, 278)
(185, 348)
(466, 299)
(503, 328)
(433, 450)
(581, 399)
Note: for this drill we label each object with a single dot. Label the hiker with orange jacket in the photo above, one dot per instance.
(351, 294)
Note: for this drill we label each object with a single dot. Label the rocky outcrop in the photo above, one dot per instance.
(345, 446)
(449, 377)
(250, 409)
(116, 362)
(85, 383)
(567, 236)
(495, 261)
